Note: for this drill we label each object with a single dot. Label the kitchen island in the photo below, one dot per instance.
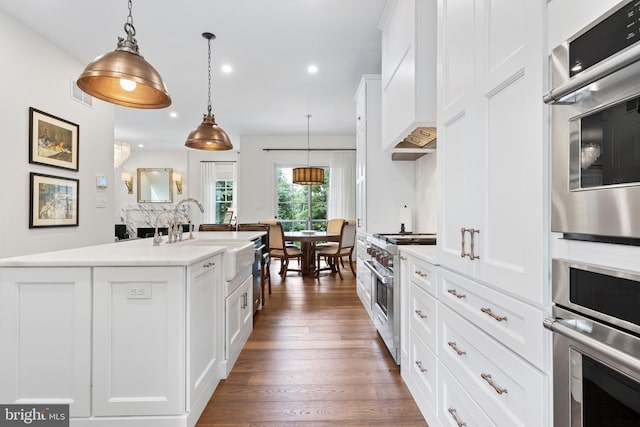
(127, 333)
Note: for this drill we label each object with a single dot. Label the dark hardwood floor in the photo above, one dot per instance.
(314, 359)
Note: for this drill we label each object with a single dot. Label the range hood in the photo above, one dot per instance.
(423, 140)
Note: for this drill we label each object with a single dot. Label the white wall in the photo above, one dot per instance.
(37, 74)
(425, 194)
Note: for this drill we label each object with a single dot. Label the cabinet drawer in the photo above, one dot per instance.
(423, 274)
(507, 388)
(424, 316)
(455, 407)
(514, 323)
(197, 268)
(423, 370)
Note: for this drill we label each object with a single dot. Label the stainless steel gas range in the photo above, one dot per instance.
(385, 283)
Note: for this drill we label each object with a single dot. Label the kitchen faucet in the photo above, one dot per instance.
(175, 213)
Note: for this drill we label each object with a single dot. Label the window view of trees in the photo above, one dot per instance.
(302, 207)
(224, 197)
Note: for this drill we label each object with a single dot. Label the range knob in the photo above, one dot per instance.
(385, 261)
(370, 250)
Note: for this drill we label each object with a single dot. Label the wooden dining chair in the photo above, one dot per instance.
(279, 249)
(217, 227)
(334, 256)
(333, 226)
(266, 258)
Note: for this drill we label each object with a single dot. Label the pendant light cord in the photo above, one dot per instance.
(209, 99)
(308, 144)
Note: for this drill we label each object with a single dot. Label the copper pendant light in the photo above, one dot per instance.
(308, 175)
(209, 136)
(123, 77)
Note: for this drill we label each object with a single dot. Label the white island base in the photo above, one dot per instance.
(140, 341)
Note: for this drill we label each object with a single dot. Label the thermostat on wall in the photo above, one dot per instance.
(101, 181)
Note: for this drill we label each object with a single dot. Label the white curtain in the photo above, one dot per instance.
(342, 185)
(208, 186)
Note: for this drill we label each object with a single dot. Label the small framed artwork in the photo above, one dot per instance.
(228, 217)
(53, 201)
(52, 141)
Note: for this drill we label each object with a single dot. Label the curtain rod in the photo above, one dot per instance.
(308, 149)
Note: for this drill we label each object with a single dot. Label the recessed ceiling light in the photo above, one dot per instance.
(312, 69)
(141, 145)
(173, 114)
(227, 68)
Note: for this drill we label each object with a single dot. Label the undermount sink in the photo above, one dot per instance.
(236, 258)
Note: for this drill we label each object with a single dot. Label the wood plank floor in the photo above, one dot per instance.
(314, 359)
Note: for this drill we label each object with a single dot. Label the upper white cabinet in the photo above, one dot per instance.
(492, 173)
(408, 68)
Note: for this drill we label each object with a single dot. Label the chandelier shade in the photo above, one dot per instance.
(123, 77)
(209, 136)
(308, 175)
(121, 152)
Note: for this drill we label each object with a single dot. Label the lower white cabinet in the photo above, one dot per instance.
(45, 336)
(455, 407)
(138, 341)
(238, 316)
(363, 279)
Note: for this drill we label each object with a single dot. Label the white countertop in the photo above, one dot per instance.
(138, 252)
(425, 252)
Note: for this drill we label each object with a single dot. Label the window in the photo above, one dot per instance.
(302, 207)
(218, 190)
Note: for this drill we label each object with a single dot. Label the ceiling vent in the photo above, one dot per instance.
(79, 95)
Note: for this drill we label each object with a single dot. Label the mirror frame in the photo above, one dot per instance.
(169, 183)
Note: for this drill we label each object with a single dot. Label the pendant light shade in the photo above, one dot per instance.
(308, 175)
(209, 136)
(123, 77)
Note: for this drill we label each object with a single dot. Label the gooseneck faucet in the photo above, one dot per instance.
(182, 202)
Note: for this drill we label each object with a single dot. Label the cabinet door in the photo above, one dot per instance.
(204, 335)
(45, 331)
(139, 341)
(239, 315)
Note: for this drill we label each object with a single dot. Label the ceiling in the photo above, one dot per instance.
(269, 44)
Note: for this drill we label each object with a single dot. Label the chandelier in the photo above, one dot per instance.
(308, 175)
(121, 152)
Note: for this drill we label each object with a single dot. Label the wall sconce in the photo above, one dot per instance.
(128, 181)
(177, 178)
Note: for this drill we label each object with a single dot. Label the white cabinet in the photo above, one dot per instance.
(204, 334)
(383, 186)
(45, 331)
(363, 279)
(408, 68)
(492, 172)
(238, 315)
(138, 341)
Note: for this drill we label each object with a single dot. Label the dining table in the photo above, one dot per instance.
(308, 242)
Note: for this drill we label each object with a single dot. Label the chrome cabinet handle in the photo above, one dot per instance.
(488, 379)
(455, 348)
(492, 314)
(403, 258)
(419, 365)
(458, 421)
(421, 274)
(462, 252)
(245, 300)
(472, 254)
(456, 294)
(209, 264)
(421, 314)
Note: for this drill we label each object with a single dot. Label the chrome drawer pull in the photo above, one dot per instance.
(402, 258)
(419, 365)
(492, 314)
(453, 345)
(456, 294)
(421, 314)
(209, 264)
(458, 421)
(421, 274)
(488, 379)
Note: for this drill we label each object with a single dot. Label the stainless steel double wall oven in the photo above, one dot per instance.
(595, 78)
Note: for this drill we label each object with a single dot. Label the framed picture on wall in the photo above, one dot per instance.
(228, 217)
(53, 201)
(52, 141)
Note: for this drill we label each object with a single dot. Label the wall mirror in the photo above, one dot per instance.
(154, 185)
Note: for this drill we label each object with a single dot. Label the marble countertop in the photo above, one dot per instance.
(425, 252)
(137, 252)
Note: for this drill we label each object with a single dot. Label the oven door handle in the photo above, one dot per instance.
(591, 75)
(580, 334)
(387, 280)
